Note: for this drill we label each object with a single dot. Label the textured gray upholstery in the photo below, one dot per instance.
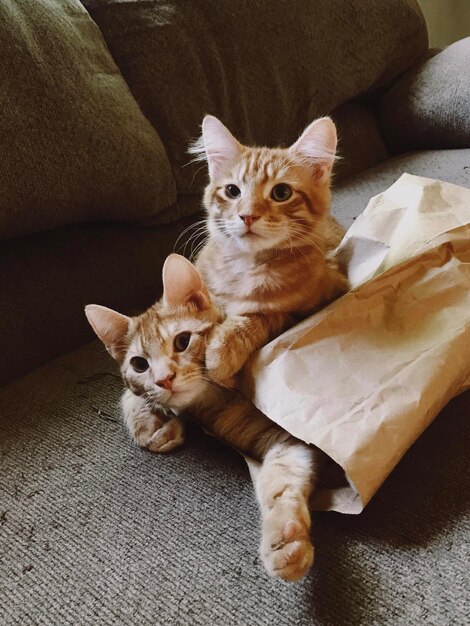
(74, 144)
(360, 143)
(47, 279)
(350, 197)
(95, 532)
(266, 69)
(429, 107)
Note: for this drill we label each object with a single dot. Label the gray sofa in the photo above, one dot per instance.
(100, 99)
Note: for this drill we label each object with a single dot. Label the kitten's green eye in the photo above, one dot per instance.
(281, 192)
(139, 364)
(232, 191)
(181, 342)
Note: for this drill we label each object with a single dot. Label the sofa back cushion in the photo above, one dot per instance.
(265, 69)
(75, 146)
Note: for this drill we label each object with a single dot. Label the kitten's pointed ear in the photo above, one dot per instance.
(182, 283)
(317, 144)
(111, 327)
(217, 145)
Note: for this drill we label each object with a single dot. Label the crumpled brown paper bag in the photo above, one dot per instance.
(364, 377)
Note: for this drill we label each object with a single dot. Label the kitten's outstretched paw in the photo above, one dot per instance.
(286, 549)
(220, 369)
(217, 370)
(223, 359)
(166, 438)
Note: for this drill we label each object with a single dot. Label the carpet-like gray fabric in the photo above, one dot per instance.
(95, 531)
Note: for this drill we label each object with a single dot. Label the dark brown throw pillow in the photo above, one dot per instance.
(74, 144)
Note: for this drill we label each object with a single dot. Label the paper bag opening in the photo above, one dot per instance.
(365, 376)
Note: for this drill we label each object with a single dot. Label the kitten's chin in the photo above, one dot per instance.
(254, 243)
(251, 243)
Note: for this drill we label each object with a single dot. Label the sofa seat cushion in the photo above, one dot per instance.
(430, 106)
(96, 531)
(351, 196)
(74, 144)
(265, 68)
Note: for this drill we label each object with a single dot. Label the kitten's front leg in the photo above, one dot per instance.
(233, 341)
(150, 428)
(284, 484)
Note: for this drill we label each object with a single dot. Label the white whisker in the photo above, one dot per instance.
(198, 224)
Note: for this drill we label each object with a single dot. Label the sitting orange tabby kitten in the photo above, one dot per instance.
(162, 359)
(269, 257)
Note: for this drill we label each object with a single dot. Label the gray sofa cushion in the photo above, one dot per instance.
(350, 197)
(74, 144)
(95, 532)
(265, 68)
(47, 279)
(430, 106)
(360, 144)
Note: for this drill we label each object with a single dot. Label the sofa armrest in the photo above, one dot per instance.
(429, 107)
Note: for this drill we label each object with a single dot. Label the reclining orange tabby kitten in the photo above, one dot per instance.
(268, 263)
(162, 359)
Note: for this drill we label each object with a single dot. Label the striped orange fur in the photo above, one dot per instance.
(165, 378)
(268, 261)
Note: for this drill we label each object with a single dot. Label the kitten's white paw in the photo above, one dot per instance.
(286, 549)
(166, 438)
(151, 429)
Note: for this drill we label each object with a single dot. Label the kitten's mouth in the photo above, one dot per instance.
(249, 233)
(172, 393)
(176, 394)
(164, 397)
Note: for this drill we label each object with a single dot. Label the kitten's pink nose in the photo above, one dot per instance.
(249, 219)
(167, 382)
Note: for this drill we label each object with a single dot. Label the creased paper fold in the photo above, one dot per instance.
(364, 377)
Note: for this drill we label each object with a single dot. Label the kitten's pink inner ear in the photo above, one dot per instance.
(111, 327)
(182, 283)
(220, 145)
(318, 144)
